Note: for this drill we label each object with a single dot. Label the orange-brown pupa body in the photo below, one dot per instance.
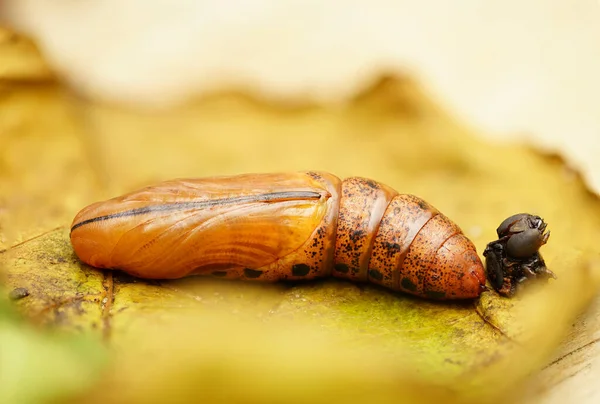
(270, 227)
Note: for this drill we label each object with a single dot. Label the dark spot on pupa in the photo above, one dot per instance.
(391, 248)
(300, 270)
(252, 273)
(343, 268)
(356, 235)
(371, 184)
(375, 274)
(220, 274)
(18, 293)
(473, 258)
(422, 204)
(408, 285)
(314, 175)
(435, 295)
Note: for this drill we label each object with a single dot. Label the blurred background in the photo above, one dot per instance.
(524, 69)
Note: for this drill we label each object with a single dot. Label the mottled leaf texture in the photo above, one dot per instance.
(210, 340)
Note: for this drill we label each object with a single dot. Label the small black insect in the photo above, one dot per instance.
(18, 293)
(514, 257)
